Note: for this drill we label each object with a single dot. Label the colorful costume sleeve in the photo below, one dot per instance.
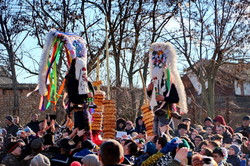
(74, 47)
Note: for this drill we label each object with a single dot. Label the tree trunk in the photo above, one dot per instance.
(211, 97)
(15, 108)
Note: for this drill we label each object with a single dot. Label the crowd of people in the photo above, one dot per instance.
(45, 142)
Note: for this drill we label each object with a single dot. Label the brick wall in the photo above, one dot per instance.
(27, 106)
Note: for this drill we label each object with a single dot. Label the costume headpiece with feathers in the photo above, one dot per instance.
(163, 67)
(75, 50)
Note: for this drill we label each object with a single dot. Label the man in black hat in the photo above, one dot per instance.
(183, 130)
(245, 126)
(11, 127)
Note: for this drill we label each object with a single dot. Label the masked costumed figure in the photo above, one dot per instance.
(166, 89)
(79, 89)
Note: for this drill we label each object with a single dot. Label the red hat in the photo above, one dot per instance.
(75, 163)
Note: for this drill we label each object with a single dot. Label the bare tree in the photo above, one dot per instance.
(209, 34)
(11, 27)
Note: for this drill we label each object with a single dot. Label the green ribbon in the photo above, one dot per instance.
(168, 83)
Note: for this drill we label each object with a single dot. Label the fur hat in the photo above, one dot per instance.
(90, 159)
(40, 160)
(12, 146)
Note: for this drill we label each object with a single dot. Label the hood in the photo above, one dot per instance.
(118, 121)
(220, 119)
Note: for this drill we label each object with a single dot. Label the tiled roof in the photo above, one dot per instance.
(5, 77)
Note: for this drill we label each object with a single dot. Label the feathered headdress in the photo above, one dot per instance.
(163, 66)
(75, 48)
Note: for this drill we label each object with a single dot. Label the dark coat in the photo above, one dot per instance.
(173, 95)
(12, 129)
(139, 128)
(130, 131)
(34, 126)
(10, 160)
(61, 160)
(234, 160)
(227, 137)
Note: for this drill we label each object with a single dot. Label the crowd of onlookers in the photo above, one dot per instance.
(45, 142)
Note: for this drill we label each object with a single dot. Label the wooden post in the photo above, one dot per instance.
(107, 58)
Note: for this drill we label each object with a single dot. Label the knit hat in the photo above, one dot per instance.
(150, 148)
(182, 126)
(236, 149)
(12, 146)
(37, 143)
(184, 144)
(75, 163)
(247, 117)
(27, 129)
(10, 118)
(40, 160)
(90, 159)
(19, 132)
(88, 144)
(209, 119)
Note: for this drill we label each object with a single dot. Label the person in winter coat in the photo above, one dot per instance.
(245, 125)
(34, 123)
(219, 157)
(139, 125)
(120, 124)
(227, 136)
(233, 157)
(220, 120)
(129, 127)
